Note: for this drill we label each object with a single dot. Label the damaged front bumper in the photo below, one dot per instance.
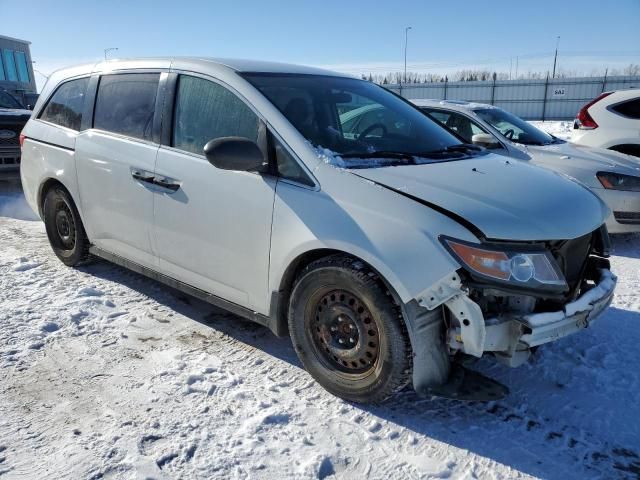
(511, 337)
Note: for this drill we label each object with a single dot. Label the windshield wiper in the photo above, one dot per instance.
(393, 155)
(460, 148)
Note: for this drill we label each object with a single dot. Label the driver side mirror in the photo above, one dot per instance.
(485, 140)
(235, 153)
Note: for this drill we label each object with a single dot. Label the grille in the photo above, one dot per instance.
(16, 129)
(628, 218)
(572, 256)
(9, 161)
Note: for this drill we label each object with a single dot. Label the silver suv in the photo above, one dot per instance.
(388, 254)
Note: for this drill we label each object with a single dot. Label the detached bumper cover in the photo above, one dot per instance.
(547, 327)
(512, 336)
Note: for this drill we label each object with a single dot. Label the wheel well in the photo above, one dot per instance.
(44, 189)
(280, 299)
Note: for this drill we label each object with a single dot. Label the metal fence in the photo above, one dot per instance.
(544, 99)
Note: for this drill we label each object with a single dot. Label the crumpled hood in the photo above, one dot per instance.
(504, 198)
(581, 157)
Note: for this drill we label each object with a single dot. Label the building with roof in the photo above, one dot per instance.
(16, 69)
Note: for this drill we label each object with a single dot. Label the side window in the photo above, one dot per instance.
(125, 104)
(205, 110)
(23, 71)
(629, 109)
(461, 125)
(288, 167)
(438, 115)
(10, 65)
(66, 104)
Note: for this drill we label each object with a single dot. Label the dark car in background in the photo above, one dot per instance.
(13, 117)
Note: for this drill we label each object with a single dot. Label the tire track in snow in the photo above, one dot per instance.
(152, 391)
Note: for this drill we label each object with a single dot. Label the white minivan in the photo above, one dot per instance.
(389, 256)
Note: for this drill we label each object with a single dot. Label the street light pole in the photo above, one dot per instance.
(108, 50)
(406, 36)
(555, 58)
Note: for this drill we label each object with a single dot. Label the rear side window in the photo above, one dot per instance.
(125, 104)
(629, 109)
(204, 111)
(66, 104)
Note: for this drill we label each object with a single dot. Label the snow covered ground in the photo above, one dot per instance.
(105, 374)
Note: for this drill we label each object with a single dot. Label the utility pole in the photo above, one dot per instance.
(406, 37)
(555, 58)
(108, 50)
(516, 68)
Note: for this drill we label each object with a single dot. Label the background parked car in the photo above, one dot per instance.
(13, 117)
(612, 120)
(613, 176)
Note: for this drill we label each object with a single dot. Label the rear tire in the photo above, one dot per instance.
(64, 228)
(348, 332)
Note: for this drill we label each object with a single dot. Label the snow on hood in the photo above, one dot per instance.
(329, 157)
(505, 199)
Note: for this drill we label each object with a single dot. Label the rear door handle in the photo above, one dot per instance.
(168, 183)
(142, 175)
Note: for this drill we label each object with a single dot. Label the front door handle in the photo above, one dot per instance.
(168, 183)
(142, 175)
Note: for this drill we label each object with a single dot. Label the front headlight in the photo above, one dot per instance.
(523, 267)
(617, 181)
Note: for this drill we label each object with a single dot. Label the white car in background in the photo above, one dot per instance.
(612, 120)
(613, 176)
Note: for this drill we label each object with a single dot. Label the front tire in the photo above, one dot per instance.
(348, 332)
(64, 228)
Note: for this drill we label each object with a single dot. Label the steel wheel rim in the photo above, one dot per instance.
(65, 226)
(344, 334)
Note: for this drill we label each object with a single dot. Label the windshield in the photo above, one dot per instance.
(357, 119)
(7, 101)
(514, 128)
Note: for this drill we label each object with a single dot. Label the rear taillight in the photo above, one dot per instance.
(584, 120)
(22, 137)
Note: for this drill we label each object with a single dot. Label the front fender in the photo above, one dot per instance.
(396, 236)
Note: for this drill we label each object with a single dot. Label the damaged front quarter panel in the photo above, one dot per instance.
(449, 291)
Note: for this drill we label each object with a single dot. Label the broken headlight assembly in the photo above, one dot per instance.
(511, 265)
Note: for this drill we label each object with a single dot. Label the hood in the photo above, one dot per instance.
(582, 162)
(505, 199)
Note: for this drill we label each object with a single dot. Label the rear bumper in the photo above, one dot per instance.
(511, 338)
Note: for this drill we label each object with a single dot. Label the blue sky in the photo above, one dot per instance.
(347, 35)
